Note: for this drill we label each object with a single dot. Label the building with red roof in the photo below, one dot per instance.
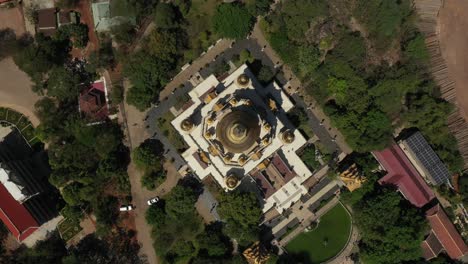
(93, 101)
(443, 237)
(27, 200)
(402, 174)
(15, 216)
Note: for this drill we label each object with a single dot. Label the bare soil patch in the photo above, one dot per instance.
(453, 38)
(12, 18)
(15, 90)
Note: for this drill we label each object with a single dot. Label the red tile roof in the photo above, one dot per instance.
(446, 232)
(283, 168)
(93, 101)
(15, 216)
(431, 247)
(400, 172)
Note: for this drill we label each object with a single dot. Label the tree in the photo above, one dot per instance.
(383, 19)
(152, 178)
(63, 84)
(77, 32)
(123, 33)
(265, 75)
(232, 21)
(258, 7)
(148, 155)
(181, 201)
(8, 43)
(117, 94)
(391, 228)
(166, 44)
(106, 210)
(147, 74)
(241, 212)
(309, 157)
(67, 4)
(212, 242)
(165, 16)
(416, 49)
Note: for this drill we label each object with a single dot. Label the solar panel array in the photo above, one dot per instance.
(438, 172)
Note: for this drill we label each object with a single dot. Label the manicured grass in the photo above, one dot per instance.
(164, 123)
(324, 242)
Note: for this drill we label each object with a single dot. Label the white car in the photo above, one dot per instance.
(153, 200)
(126, 208)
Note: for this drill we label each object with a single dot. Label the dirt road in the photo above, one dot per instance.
(15, 90)
(12, 18)
(453, 39)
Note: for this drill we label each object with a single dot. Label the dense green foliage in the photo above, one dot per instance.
(77, 32)
(364, 96)
(241, 212)
(123, 33)
(175, 224)
(232, 21)
(165, 16)
(149, 158)
(310, 158)
(383, 19)
(258, 7)
(118, 248)
(391, 228)
(179, 234)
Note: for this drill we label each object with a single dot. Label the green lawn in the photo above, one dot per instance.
(334, 228)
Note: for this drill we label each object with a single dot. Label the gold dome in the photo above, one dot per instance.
(233, 101)
(186, 125)
(242, 160)
(288, 136)
(208, 135)
(231, 181)
(238, 131)
(267, 126)
(209, 120)
(227, 157)
(243, 80)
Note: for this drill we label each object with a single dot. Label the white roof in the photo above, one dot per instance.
(14, 189)
(288, 193)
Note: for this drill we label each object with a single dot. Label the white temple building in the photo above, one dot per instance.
(237, 128)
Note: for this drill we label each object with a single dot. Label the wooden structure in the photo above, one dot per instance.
(256, 254)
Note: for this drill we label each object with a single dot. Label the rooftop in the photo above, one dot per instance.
(15, 216)
(234, 129)
(446, 233)
(432, 167)
(93, 101)
(402, 174)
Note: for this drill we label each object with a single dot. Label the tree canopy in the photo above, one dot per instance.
(232, 21)
(241, 212)
(391, 229)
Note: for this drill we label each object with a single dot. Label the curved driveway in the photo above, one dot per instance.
(15, 90)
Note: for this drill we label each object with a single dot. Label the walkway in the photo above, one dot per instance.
(306, 222)
(197, 65)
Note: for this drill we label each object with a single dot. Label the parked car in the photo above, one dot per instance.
(126, 208)
(153, 200)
